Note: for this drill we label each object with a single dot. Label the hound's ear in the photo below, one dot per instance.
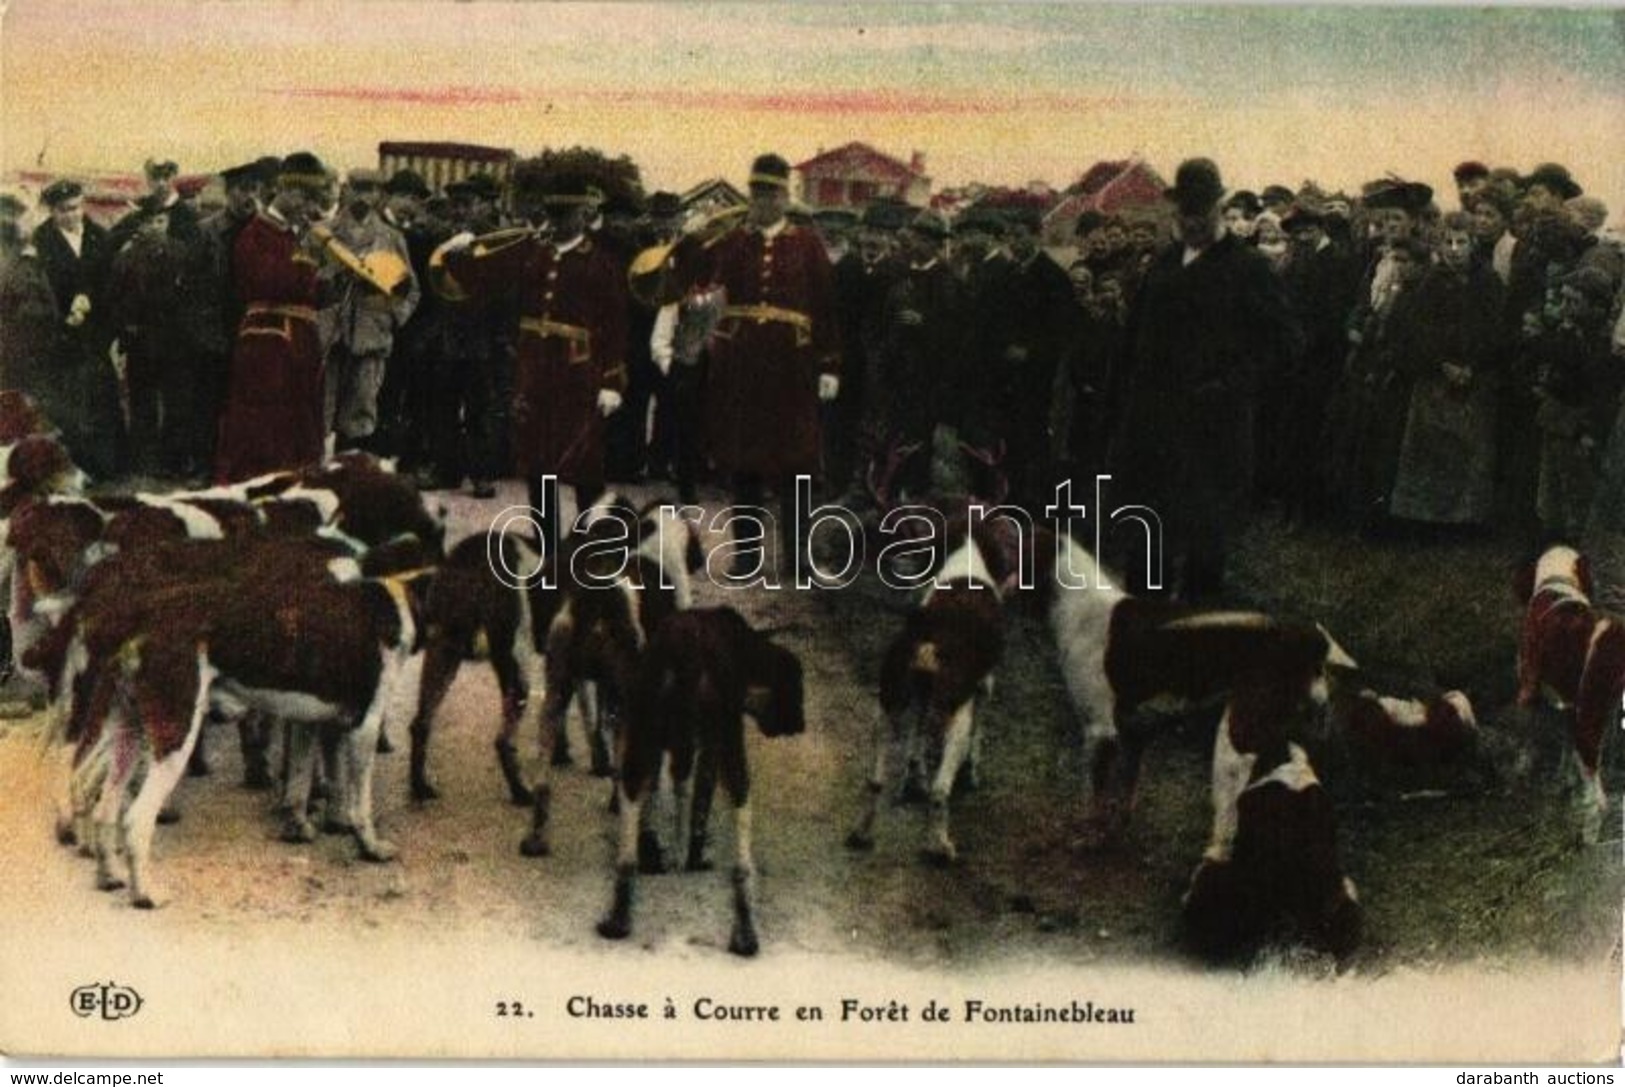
(1523, 582)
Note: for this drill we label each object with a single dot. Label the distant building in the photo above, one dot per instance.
(1111, 187)
(853, 175)
(439, 164)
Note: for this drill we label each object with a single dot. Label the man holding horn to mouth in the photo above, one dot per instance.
(570, 368)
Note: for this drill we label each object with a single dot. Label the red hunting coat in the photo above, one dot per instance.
(778, 333)
(273, 414)
(572, 344)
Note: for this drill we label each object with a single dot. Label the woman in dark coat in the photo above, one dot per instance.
(1447, 340)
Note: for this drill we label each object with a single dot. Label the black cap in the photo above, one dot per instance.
(407, 183)
(303, 169)
(665, 205)
(930, 224)
(1471, 170)
(246, 173)
(1551, 176)
(11, 206)
(983, 219)
(889, 215)
(1247, 201)
(770, 171)
(1197, 186)
(1392, 192)
(61, 191)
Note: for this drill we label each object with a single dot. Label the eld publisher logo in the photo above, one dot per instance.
(109, 1001)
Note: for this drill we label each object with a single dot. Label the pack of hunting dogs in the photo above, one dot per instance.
(300, 598)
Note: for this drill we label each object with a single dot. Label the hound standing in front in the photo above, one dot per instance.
(1575, 657)
(941, 662)
(1127, 661)
(704, 671)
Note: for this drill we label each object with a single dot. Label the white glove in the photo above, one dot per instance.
(78, 310)
(609, 402)
(458, 242)
(829, 387)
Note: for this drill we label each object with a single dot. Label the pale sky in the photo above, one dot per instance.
(1001, 94)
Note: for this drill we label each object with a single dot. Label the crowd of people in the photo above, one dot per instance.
(1368, 360)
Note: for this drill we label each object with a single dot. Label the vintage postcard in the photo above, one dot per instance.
(885, 322)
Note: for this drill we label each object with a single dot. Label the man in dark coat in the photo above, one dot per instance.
(570, 373)
(1028, 327)
(217, 309)
(1209, 318)
(272, 419)
(403, 403)
(924, 334)
(80, 392)
(777, 354)
(863, 278)
(1320, 280)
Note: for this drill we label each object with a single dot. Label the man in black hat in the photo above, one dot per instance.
(1548, 186)
(81, 396)
(217, 308)
(272, 417)
(776, 360)
(570, 371)
(467, 349)
(1320, 280)
(924, 330)
(1028, 326)
(863, 279)
(1209, 318)
(403, 403)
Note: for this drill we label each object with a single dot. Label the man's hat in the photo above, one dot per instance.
(930, 224)
(1089, 222)
(160, 168)
(61, 191)
(770, 171)
(1197, 186)
(887, 215)
(1471, 170)
(483, 186)
(1393, 192)
(1302, 215)
(1555, 178)
(245, 173)
(1275, 195)
(665, 205)
(985, 220)
(407, 183)
(10, 206)
(1247, 201)
(1031, 218)
(303, 169)
(364, 179)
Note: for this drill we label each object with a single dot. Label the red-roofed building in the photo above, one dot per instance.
(855, 174)
(1110, 187)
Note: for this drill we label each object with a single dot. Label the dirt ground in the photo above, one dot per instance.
(1479, 866)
